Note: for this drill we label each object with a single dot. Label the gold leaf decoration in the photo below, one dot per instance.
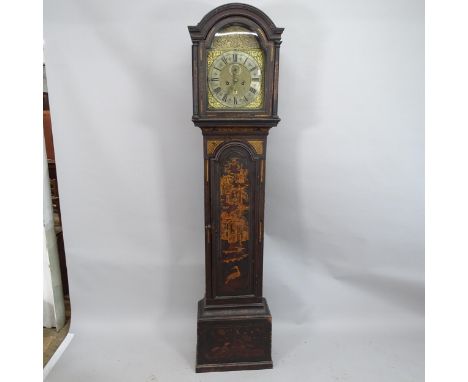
(234, 226)
(257, 145)
(211, 145)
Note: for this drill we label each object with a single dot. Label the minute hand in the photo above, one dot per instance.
(234, 83)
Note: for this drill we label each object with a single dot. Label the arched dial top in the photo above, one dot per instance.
(235, 79)
(235, 93)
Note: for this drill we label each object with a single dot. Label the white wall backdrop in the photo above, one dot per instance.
(344, 240)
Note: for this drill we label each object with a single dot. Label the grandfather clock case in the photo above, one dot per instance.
(235, 58)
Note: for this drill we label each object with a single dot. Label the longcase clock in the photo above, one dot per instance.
(235, 57)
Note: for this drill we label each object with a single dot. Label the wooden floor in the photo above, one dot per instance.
(52, 339)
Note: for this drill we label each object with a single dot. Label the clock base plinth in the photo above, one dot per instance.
(234, 337)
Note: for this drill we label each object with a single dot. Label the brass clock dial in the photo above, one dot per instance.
(235, 79)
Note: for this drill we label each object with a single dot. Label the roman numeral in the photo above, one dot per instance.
(235, 101)
(253, 68)
(245, 60)
(252, 90)
(217, 69)
(217, 90)
(234, 57)
(225, 98)
(246, 99)
(224, 60)
(256, 79)
(215, 79)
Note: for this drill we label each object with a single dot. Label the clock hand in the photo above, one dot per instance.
(231, 87)
(234, 83)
